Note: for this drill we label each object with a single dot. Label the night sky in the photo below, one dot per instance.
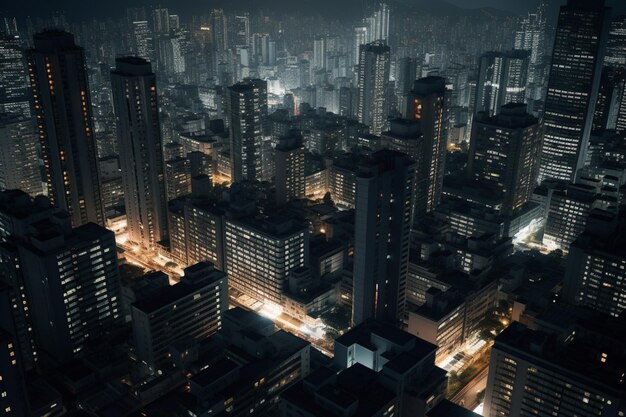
(85, 9)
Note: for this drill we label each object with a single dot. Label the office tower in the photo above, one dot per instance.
(531, 37)
(196, 231)
(56, 67)
(191, 309)
(502, 79)
(572, 88)
(219, 28)
(247, 108)
(19, 168)
(289, 156)
(79, 297)
(373, 83)
(596, 266)
(260, 253)
(404, 363)
(242, 30)
(570, 373)
(426, 103)
(319, 53)
(14, 95)
(504, 155)
(142, 42)
(141, 153)
(384, 195)
(360, 38)
(616, 45)
(404, 136)
(161, 21)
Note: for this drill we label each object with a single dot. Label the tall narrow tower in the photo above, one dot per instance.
(581, 32)
(373, 83)
(56, 68)
(141, 150)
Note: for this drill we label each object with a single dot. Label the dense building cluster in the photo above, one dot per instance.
(277, 213)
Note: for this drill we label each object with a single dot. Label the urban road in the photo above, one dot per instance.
(467, 396)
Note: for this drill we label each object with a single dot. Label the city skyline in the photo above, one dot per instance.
(363, 208)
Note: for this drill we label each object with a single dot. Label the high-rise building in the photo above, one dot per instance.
(219, 30)
(384, 195)
(72, 284)
(289, 168)
(379, 24)
(141, 150)
(504, 155)
(534, 373)
(161, 21)
(360, 38)
(196, 231)
(319, 53)
(260, 253)
(247, 109)
(142, 44)
(426, 103)
(58, 78)
(502, 79)
(616, 45)
(191, 309)
(242, 30)
(531, 37)
(19, 168)
(373, 84)
(596, 266)
(14, 95)
(573, 87)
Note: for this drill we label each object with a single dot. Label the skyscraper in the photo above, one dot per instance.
(426, 103)
(319, 53)
(573, 86)
(502, 79)
(56, 68)
(242, 30)
(504, 154)
(142, 44)
(531, 37)
(373, 83)
(14, 96)
(141, 153)
(247, 108)
(384, 193)
(219, 30)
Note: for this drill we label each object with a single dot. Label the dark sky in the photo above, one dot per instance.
(85, 9)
